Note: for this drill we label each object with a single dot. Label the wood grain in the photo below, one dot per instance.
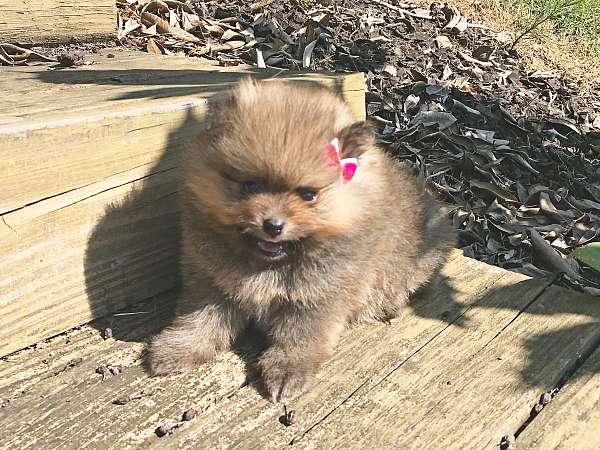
(113, 244)
(474, 384)
(466, 386)
(57, 21)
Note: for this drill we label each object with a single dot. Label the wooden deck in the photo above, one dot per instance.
(87, 233)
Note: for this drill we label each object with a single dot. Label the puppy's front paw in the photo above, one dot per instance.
(285, 377)
(175, 351)
(164, 360)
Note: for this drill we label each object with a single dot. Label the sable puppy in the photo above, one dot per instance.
(282, 230)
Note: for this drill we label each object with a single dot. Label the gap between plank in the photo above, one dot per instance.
(550, 282)
(65, 332)
(117, 186)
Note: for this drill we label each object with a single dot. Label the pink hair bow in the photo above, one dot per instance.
(348, 165)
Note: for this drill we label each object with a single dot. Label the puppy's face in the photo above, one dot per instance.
(261, 174)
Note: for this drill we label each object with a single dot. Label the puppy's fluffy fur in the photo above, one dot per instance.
(346, 252)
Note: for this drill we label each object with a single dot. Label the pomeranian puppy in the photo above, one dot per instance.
(295, 220)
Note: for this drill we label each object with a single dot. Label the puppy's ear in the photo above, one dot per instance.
(220, 109)
(355, 139)
(222, 106)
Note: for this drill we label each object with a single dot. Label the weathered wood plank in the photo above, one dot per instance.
(474, 384)
(572, 420)
(75, 406)
(57, 21)
(59, 408)
(73, 128)
(88, 183)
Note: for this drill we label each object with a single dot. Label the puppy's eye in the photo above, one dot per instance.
(307, 195)
(250, 187)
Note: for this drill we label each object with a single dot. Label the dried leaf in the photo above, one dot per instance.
(161, 25)
(260, 5)
(411, 103)
(5, 57)
(214, 29)
(231, 45)
(260, 61)
(456, 21)
(230, 34)
(483, 52)
(428, 118)
(550, 257)
(164, 27)
(551, 210)
(391, 70)
(189, 21)
(523, 163)
(495, 189)
(474, 61)
(584, 203)
(151, 31)
(130, 25)
(151, 47)
(173, 19)
(308, 50)
(459, 106)
(13, 54)
(564, 122)
(444, 41)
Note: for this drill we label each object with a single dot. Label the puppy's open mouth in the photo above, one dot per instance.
(271, 249)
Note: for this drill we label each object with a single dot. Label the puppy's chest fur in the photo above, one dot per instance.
(258, 293)
(326, 283)
(259, 290)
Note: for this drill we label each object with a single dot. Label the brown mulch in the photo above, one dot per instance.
(516, 154)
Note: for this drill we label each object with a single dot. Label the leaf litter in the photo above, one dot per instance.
(515, 154)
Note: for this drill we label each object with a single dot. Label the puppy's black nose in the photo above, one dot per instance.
(273, 227)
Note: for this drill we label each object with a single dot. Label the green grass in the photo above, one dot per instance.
(577, 20)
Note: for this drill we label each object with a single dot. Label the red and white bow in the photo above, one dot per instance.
(348, 165)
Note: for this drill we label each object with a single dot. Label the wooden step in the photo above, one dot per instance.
(88, 169)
